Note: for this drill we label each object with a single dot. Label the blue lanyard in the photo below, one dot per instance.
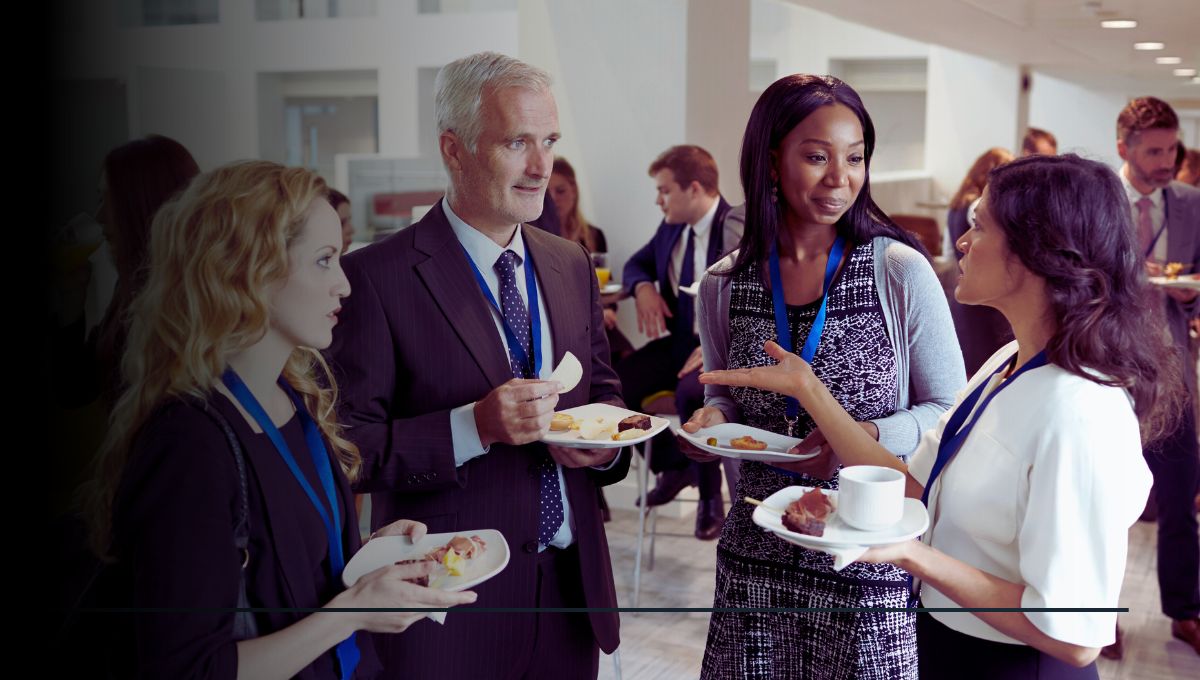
(347, 650)
(955, 434)
(784, 331)
(535, 314)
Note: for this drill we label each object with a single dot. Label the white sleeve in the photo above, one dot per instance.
(1087, 485)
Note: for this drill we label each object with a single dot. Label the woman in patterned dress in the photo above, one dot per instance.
(887, 351)
(1034, 477)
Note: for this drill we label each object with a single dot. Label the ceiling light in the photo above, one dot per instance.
(1148, 46)
(1168, 60)
(1186, 72)
(1119, 23)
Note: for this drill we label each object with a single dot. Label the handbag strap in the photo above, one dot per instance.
(244, 626)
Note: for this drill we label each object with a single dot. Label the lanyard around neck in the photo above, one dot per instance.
(535, 315)
(783, 329)
(955, 433)
(346, 651)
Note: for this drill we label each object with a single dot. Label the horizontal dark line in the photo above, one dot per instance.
(574, 610)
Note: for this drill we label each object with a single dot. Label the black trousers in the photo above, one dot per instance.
(565, 647)
(943, 652)
(1176, 469)
(655, 368)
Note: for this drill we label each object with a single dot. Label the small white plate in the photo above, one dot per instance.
(913, 523)
(573, 440)
(776, 451)
(381, 552)
(1184, 281)
(610, 288)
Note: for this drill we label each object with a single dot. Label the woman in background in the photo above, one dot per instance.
(981, 330)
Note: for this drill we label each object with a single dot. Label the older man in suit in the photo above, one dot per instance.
(443, 355)
(1166, 216)
(698, 228)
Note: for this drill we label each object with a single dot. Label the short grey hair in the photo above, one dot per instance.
(460, 85)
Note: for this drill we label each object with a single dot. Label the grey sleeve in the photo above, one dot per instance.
(713, 316)
(925, 332)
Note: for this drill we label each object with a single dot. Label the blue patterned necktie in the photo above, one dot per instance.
(516, 315)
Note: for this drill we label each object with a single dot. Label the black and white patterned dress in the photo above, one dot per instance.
(856, 361)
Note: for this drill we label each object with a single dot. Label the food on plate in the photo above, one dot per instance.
(625, 435)
(561, 422)
(711, 441)
(807, 514)
(1172, 269)
(457, 553)
(747, 443)
(634, 422)
(597, 428)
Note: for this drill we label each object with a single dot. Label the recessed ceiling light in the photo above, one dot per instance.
(1185, 72)
(1119, 23)
(1168, 60)
(1148, 46)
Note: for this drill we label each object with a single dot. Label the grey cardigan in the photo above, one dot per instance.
(929, 363)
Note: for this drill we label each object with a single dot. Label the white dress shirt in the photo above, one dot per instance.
(1042, 493)
(484, 252)
(1157, 214)
(702, 228)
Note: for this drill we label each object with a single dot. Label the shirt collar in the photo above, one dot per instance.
(483, 250)
(1156, 196)
(703, 224)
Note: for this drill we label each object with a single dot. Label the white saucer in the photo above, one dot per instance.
(380, 552)
(776, 451)
(573, 440)
(913, 523)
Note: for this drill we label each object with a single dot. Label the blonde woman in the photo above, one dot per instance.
(244, 286)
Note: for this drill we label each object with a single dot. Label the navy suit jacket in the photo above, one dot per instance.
(1183, 245)
(653, 262)
(415, 340)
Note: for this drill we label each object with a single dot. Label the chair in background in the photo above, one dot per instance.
(926, 230)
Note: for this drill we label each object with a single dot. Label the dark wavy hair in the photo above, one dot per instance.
(782, 107)
(1068, 220)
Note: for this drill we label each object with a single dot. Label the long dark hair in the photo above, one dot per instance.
(139, 177)
(1068, 220)
(782, 107)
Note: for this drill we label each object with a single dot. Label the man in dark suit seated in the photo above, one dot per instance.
(1166, 219)
(443, 354)
(696, 231)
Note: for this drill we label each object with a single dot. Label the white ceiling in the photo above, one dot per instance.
(1057, 37)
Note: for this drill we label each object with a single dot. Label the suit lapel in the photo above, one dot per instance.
(447, 275)
(554, 289)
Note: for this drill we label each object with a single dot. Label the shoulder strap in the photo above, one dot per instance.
(244, 625)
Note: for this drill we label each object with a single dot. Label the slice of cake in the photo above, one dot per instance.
(808, 514)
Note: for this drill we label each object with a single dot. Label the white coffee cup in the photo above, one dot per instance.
(870, 497)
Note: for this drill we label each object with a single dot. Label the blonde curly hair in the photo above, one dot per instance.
(215, 252)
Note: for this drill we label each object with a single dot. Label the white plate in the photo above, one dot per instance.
(776, 451)
(1184, 281)
(380, 552)
(610, 288)
(573, 440)
(913, 523)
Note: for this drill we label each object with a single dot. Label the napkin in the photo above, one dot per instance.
(843, 555)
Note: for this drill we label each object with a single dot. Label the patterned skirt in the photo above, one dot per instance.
(810, 645)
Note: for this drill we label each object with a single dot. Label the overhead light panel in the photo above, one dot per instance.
(1185, 72)
(1148, 46)
(1168, 60)
(1119, 23)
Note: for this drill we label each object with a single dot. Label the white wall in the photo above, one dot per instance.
(1083, 120)
(972, 107)
(396, 43)
(619, 69)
